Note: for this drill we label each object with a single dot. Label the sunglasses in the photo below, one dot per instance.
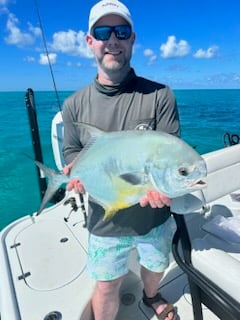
(103, 33)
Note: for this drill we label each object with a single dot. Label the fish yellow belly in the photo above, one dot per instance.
(127, 194)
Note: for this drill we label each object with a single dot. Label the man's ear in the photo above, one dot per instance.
(89, 40)
(133, 37)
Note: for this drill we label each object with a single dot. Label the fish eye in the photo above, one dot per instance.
(183, 171)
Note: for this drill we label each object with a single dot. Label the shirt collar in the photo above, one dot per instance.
(118, 88)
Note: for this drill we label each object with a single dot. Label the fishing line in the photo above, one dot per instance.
(47, 54)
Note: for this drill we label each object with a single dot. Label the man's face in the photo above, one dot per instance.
(111, 54)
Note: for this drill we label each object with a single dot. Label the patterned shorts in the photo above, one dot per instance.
(108, 256)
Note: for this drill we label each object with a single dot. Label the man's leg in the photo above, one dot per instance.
(105, 299)
(151, 281)
(87, 313)
(151, 284)
(154, 249)
(107, 264)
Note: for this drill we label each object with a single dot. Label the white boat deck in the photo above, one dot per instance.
(46, 270)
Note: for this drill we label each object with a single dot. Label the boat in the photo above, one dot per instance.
(43, 257)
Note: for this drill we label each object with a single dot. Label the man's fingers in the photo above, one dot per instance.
(155, 199)
(70, 185)
(75, 184)
(143, 202)
(66, 170)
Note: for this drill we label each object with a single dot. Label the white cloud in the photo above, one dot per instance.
(207, 54)
(3, 7)
(18, 37)
(172, 48)
(149, 53)
(34, 30)
(71, 64)
(223, 78)
(69, 42)
(29, 59)
(3, 2)
(236, 77)
(72, 43)
(43, 59)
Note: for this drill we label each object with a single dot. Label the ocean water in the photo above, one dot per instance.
(205, 116)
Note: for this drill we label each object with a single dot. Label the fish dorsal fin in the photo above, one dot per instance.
(92, 130)
(94, 133)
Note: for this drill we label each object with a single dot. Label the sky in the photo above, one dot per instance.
(184, 44)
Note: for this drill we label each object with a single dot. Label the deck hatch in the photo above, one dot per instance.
(52, 263)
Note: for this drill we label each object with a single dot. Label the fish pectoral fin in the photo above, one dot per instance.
(135, 178)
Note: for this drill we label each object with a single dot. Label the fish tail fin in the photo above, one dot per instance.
(55, 180)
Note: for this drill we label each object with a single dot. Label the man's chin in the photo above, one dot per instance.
(113, 66)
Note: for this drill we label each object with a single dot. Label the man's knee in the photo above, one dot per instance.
(109, 287)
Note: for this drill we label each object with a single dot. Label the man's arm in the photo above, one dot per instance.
(71, 142)
(167, 119)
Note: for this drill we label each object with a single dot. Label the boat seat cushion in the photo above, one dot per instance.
(219, 261)
(225, 228)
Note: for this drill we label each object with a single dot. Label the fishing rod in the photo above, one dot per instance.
(47, 54)
(32, 117)
(34, 126)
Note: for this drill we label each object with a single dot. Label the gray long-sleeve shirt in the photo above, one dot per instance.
(137, 103)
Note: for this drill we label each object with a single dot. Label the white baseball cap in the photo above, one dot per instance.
(105, 7)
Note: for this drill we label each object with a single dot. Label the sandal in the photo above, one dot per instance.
(158, 298)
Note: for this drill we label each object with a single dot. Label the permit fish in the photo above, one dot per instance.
(117, 168)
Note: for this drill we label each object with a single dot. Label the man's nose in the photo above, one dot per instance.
(113, 37)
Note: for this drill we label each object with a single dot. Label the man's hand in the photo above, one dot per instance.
(155, 200)
(75, 184)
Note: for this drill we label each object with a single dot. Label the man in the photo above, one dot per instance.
(120, 100)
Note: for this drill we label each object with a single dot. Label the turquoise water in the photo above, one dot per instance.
(205, 115)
